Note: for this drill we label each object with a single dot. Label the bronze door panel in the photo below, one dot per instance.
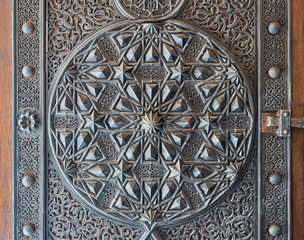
(152, 119)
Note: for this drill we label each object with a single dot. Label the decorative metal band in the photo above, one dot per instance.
(28, 186)
(275, 159)
(275, 69)
(28, 125)
(275, 185)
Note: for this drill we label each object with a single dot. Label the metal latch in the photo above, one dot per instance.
(280, 123)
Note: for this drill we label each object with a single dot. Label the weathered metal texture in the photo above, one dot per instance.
(278, 123)
(29, 108)
(275, 151)
(152, 109)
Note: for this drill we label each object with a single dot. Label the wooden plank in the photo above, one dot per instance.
(298, 111)
(6, 189)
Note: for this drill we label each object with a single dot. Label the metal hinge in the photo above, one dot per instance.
(280, 123)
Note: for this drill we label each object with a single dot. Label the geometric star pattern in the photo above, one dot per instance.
(113, 161)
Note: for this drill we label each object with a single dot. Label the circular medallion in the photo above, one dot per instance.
(150, 9)
(150, 123)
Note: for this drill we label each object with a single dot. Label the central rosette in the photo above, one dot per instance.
(151, 122)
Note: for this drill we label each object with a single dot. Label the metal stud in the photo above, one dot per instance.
(274, 72)
(28, 27)
(275, 178)
(28, 71)
(29, 229)
(28, 121)
(274, 28)
(28, 180)
(274, 230)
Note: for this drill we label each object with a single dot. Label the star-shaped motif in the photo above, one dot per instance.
(150, 216)
(122, 171)
(151, 28)
(123, 72)
(94, 121)
(180, 72)
(232, 169)
(208, 122)
(151, 122)
(70, 75)
(179, 171)
(70, 167)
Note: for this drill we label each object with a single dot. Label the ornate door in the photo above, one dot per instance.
(152, 119)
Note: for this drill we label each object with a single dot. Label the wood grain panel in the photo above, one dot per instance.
(6, 189)
(298, 111)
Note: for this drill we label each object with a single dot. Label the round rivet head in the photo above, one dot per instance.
(274, 72)
(275, 178)
(28, 180)
(274, 28)
(29, 229)
(28, 28)
(28, 71)
(28, 121)
(274, 230)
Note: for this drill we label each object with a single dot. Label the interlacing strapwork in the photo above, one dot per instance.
(152, 142)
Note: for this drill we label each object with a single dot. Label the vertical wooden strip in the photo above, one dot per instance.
(6, 190)
(298, 111)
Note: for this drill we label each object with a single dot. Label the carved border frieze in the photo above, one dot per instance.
(28, 121)
(275, 151)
